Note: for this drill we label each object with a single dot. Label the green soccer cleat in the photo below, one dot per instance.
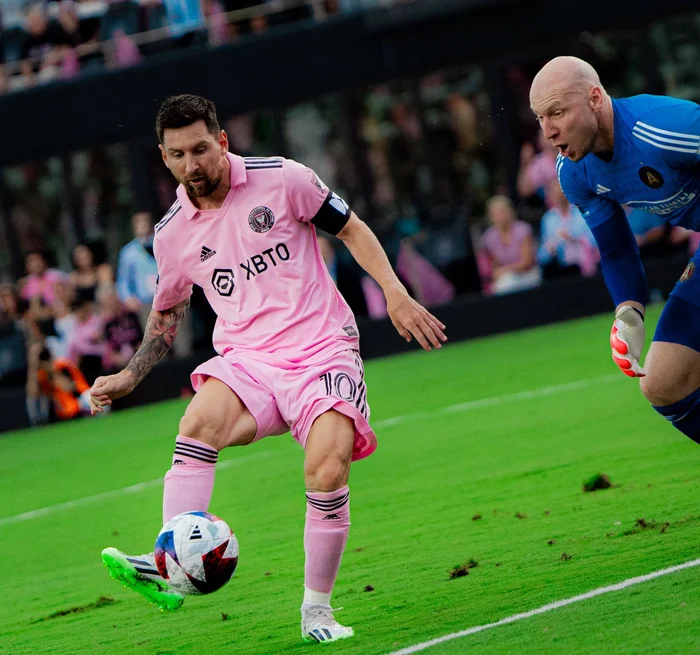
(138, 575)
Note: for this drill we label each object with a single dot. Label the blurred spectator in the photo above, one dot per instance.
(44, 45)
(406, 150)
(218, 28)
(122, 332)
(537, 169)
(567, 245)
(59, 332)
(464, 120)
(125, 52)
(185, 19)
(12, 336)
(39, 286)
(137, 272)
(55, 386)
(427, 283)
(88, 278)
(121, 19)
(508, 247)
(10, 304)
(69, 21)
(87, 345)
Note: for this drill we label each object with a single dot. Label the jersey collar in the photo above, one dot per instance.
(237, 177)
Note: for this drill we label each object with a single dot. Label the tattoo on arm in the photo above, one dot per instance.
(161, 330)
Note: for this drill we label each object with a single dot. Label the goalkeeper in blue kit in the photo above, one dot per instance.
(642, 152)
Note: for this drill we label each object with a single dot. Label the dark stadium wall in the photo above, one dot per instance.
(468, 317)
(298, 62)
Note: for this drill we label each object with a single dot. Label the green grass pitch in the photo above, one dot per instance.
(516, 460)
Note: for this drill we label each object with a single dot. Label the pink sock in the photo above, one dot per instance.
(325, 534)
(190, 480)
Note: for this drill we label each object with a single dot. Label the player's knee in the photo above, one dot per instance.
(329, 474)
(662, 390)
(206, 427)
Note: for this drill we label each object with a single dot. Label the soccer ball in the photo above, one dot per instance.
(196, 553)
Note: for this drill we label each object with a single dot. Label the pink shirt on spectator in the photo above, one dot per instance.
(87, 339)
(505, 254)
(43, 287)
(259, 264)
(542, 170)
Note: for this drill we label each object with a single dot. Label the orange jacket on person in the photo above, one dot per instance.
(65, 402)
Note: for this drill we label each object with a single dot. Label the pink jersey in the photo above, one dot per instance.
(259, 264)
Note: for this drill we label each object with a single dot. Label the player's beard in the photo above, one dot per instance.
(208, 186)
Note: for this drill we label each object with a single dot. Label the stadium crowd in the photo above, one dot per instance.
(420, 162)
(46, 40)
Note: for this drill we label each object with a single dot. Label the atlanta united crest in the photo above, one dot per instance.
(688, 272)
(261, 219)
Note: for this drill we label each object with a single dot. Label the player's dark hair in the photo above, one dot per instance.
(183, 110)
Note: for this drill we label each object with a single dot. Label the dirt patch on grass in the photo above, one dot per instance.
(651, 525)
(102, 601)
(596, 482)
(461, 570)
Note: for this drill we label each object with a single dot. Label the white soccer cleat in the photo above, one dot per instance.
(318, 624)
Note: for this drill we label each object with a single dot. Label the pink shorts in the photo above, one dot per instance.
(284, 400)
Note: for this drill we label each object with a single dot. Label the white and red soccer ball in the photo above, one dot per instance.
(196, 553)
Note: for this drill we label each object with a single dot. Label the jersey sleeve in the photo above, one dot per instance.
(312, 201)
(672, 131)
(305, 190)
(173, 286)
(620, 261)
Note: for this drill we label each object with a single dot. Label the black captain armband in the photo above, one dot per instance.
(333, 215)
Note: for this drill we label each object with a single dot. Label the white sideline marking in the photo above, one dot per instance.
(498, 400)
(396, 420)
(134, 488)
(551, 606)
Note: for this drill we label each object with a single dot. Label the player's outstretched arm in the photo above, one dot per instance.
(410, 318)
(161, 330)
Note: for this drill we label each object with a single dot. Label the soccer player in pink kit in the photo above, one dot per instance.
(244, 230)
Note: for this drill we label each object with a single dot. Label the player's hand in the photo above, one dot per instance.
(106, 389)
(412, 320)
(627, 340)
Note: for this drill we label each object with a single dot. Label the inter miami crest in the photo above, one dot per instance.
(651, 177)
(222, 281)
(261, 219)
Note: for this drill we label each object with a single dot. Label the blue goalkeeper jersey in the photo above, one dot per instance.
(655, 168)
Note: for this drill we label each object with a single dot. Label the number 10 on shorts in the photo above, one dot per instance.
(343, 386)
